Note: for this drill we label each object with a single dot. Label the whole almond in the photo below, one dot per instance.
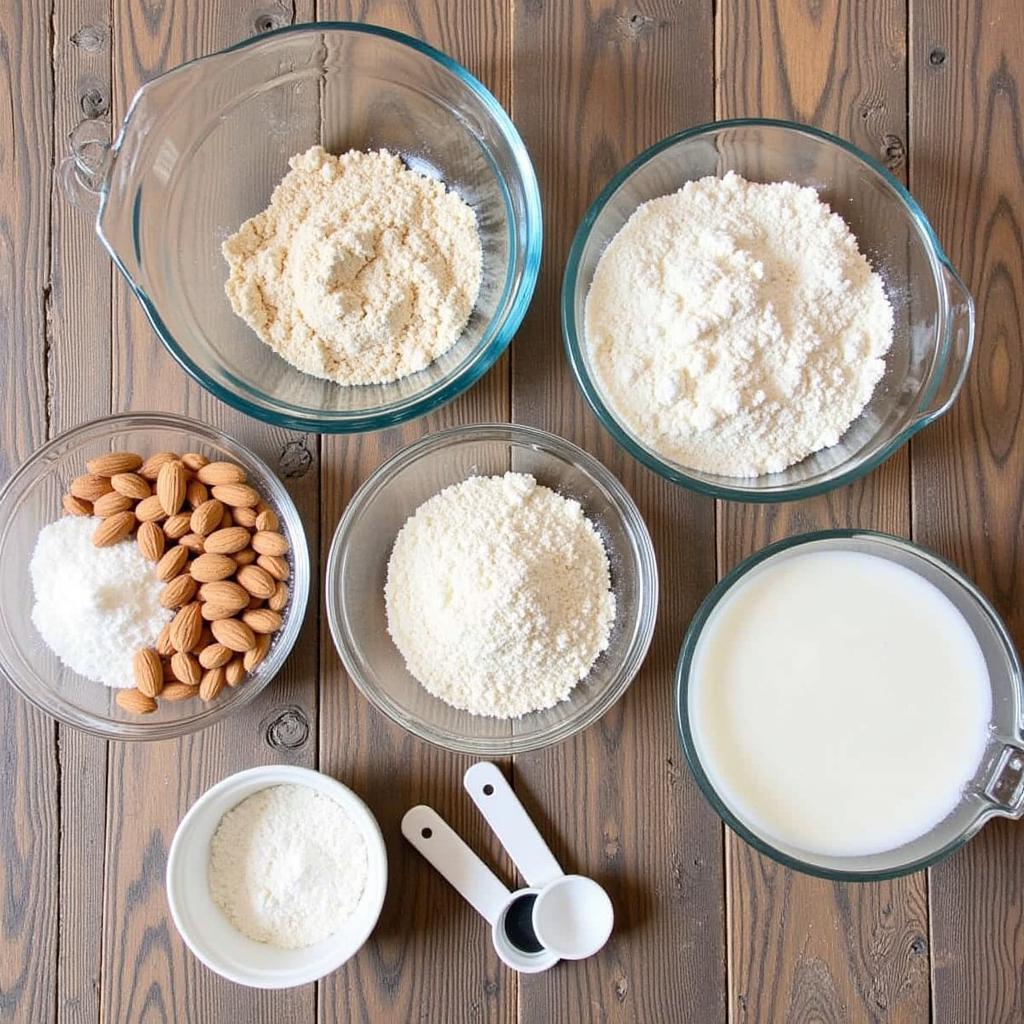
(178, 691)
(262, 620)
(148, 672)
(215, 655)
(254, 657)
(193, 542)
(173, 562)
(212, 612)
(234, 634)
(186, 668)
(170, 486)
(135, 702)
(227, 541)
(151, 541)
(267, 521)
(187, 627)
(257, 581)
(275, 565)
(211, 684)
(150, 469)
(113, 529)
(131, 485)
(179, 591)
(227, 520)
(245, 557)
(216, 473)
(206, 517)
(210, 567)
(90, 486)
(163, 641)
(234, 671)
(111, 502)
(177, 526)
(194, 461)
(236, 495)
(278, 601)
(226, 594)
(113, 463)
(76, 506)
(150, 510)
(169, 676)
(266, 542)
(196, 493)
(245, 517)
(206, 637)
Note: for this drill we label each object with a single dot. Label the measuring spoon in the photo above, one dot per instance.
(572, 914)
(508, 913)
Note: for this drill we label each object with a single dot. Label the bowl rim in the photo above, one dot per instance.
(278, 775)
(573, 341)
(685, 661)
(144, 729)
(530, 226)
(524, 436)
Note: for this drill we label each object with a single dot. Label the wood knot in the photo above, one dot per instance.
(94, 103)
(918, 946)
(288, 730)
(91, 38)
(937, 57)
(295, 459)
(894, 151)
(635, 24)
(267, 21)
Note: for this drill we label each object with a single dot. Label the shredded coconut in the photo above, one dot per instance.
(360, 271)
(499, 595)
(287, 866)
(94, 607)
(735, 327)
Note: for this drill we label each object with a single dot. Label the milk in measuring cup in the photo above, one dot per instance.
(839, 703)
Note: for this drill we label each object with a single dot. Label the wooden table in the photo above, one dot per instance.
(707, 930)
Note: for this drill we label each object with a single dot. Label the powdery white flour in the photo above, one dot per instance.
(94, 607)
(287, 866)
(360, 270)
(735, 327)
(499, 595)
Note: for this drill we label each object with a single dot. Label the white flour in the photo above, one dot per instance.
(360, 270)
(736, 328)
(499, 595)
(94, 607)
(287, 866)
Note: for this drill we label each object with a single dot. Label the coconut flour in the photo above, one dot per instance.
(735, 328)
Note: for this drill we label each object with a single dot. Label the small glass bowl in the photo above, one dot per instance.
(202, 148)
(357, 569)
(32, 498)
(997, 789)
(934, 312)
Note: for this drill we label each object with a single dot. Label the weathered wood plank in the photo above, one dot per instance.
(801, 948)
(430, 957)
(967, 170)
(593, 85)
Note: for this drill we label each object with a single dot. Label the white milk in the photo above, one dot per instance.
(839, 703)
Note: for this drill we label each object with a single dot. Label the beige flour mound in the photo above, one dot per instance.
(360, 270)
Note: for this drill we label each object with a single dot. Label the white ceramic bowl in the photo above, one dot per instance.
(209, 934)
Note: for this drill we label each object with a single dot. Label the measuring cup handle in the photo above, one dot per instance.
(455, 861)
(1005, 787)
(511, 824)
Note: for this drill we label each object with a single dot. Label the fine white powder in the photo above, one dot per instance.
(94, 607)
(287, 866)
(736, 328)
(360, 271)
(499, 595)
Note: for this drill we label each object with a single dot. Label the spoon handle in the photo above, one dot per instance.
(511, 824)
(456, 862)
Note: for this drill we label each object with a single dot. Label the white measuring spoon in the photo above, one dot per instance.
(477, 884)
(572, 915)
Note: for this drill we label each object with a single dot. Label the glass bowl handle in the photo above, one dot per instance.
(84, 171)
(960, 335)
(1005, 787)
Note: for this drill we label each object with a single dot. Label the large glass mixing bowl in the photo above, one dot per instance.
(203, 147)
(997, 788)
(934, 312)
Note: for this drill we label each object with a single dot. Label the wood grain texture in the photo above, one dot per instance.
(967, 170)
(594, 84)
(430, 957)
(28, 776)
(802, 949)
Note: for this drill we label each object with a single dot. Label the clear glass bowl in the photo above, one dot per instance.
(357, 569)
(934, 312)
(32, 498)
(997, 788)
(201, 150)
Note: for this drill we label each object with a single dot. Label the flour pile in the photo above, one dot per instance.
(736, 328)
(499, 595)
(360, 271)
